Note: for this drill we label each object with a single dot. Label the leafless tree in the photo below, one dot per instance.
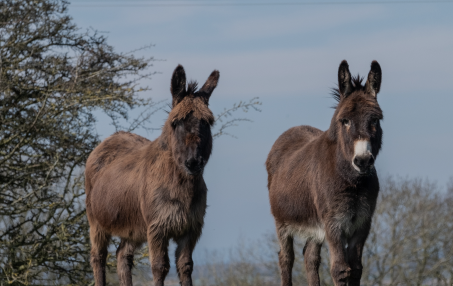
(53, 79)
(410, 244)
(411, 239)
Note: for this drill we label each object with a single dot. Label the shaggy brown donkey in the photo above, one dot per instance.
(153, 191)
(323, 185)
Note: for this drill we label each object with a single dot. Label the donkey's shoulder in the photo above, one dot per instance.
(296, 137)
(127, 137)
(123, 141)
(305, 132)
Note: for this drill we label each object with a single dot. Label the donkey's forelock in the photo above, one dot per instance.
(192, 104)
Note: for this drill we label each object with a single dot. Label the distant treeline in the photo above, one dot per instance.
(410, 243)
(55, 77)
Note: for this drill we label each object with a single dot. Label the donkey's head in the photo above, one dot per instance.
(356, 123)
(189, 122)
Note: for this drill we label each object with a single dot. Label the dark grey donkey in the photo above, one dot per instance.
(323, 185)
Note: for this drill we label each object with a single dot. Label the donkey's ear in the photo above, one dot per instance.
(209, 85)
(373, 83)
(178, 84)
(344, 79)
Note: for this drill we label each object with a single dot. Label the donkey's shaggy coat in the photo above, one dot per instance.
(323, 185)
(153, 191)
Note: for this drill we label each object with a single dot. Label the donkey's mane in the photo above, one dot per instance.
(356, 84)
(192, 103)
(192, 87)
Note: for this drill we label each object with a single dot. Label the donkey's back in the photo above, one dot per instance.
(113, 149)
(290, 144)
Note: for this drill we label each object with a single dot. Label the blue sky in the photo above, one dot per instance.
(289, 57)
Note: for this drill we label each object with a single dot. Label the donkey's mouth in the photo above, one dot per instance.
(194, 171)
(194, 167)
(367, 172)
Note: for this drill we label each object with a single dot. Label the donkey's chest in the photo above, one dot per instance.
(353, 214)
(178, 215)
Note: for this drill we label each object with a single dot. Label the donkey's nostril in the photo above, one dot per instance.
(191, 163)
(371, 161)
(193, 166)
(364, 162)
(357, 161)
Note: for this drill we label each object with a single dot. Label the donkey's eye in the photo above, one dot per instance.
(175, 123)
(346, 122)
(374, 122)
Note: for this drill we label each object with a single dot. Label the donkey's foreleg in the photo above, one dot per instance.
(99, 244)
(355, 250)
(339, 267)
(125, 260)
(312, 259)
(285, 256)
(158, 257)
(184, 262)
